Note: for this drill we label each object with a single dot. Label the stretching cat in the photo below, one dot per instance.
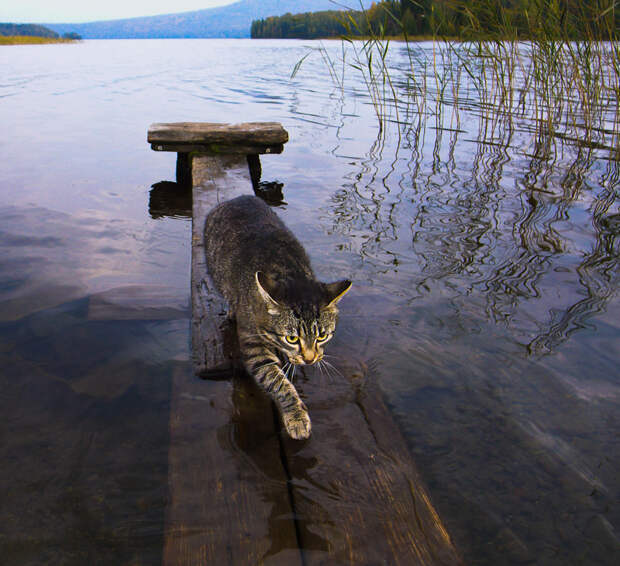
(284, 315)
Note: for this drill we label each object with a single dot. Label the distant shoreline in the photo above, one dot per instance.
(32, 40)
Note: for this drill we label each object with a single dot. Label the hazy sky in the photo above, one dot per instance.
(70, 11)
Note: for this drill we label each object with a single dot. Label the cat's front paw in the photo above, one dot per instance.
(297, 422)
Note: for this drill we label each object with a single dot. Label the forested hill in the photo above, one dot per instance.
(27, 30)
(465, 19)
(388, 17)
(328, 23)
(382, 17)
(233, 20)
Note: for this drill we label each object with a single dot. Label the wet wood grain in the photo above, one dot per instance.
(214, 179)
(229, 503)
(357, 494)
(219, 148)
(248, 133)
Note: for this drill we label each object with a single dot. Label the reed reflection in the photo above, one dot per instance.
(488, 218)
(598, 272)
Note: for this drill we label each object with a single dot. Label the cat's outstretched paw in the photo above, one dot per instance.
(297, 423)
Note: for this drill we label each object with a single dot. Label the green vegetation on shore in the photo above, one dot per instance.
(32, 40)
(27, 34)
(20, 30)
(512, 19)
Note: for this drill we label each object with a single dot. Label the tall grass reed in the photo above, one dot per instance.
(549, 69)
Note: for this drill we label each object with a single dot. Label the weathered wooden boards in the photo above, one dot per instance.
(214, 178)
(229, 500)
(229, 503)
(245, 139)
(204, 133)
(241, 492)
(250, 138)
(357, 495)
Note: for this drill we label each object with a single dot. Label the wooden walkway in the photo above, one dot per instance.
(241, 491)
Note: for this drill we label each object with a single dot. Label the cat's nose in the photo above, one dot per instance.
(310, 356)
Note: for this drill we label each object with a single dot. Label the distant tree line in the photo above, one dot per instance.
(34, 30)
(310, 25)
(597, 19)
(330, 23)
(71, 35)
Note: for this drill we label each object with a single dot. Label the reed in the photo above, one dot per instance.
(553, 67)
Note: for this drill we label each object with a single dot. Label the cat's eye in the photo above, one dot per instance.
(322, 337)
(292, 339)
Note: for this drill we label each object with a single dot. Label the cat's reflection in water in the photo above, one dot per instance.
(255, 439)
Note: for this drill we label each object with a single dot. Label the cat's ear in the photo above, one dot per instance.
(265, 287)
(337, 290)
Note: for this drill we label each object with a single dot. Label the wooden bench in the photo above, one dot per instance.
(241, 492)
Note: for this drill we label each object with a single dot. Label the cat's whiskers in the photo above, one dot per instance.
(333, 368)
(331, 379)
(290, 372)
(335, 358)
(324, 370)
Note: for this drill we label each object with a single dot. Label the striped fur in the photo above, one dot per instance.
(284, 315)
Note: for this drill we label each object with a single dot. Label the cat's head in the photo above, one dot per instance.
(301, 315)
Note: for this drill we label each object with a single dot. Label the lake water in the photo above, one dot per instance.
(485, 296)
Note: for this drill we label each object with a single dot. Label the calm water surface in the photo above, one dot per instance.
(485, 299)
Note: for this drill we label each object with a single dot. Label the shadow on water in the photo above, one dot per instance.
(250, 438)
(173, 199)
(170, 199)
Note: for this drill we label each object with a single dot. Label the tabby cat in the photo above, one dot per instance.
(284, 315)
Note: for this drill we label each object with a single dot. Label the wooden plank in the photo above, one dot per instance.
(184, 170)
(218, 148)
(214, 179)
(249, 133)
(229, 503)
(357, 495)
